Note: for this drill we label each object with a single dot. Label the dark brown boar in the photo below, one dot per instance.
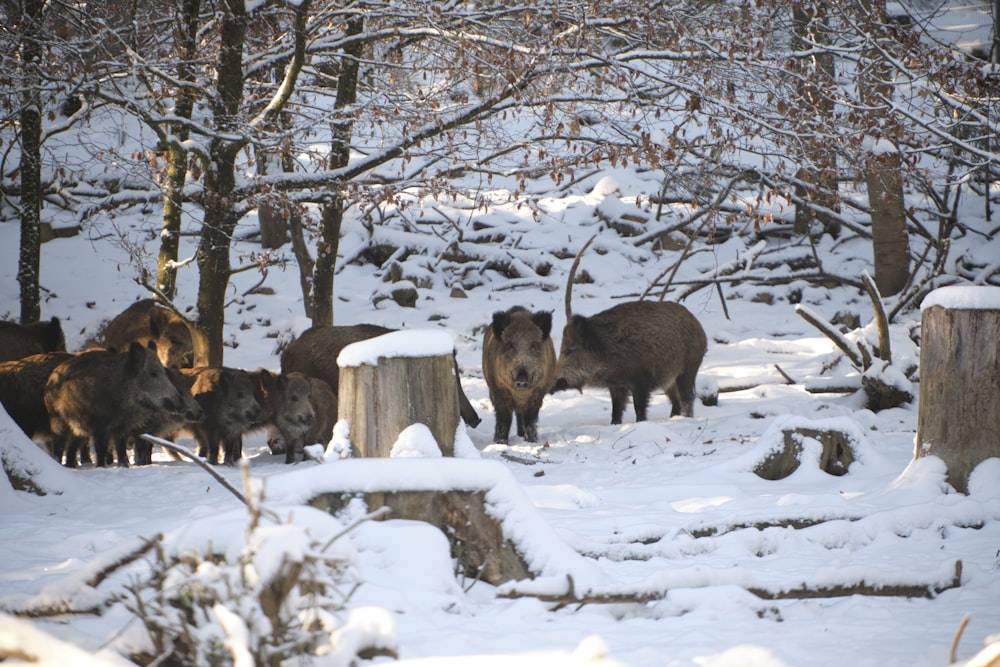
(632, 348)
(22, 393)
(147, 321)
(166, 424)
(519, 365)
(102, 397)
(286, 408)
(228, 397)
(292, 444)
(315, 353)
(21, 340)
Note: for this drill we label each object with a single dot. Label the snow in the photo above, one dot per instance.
(962, 297)
(409, 343)
(669, 509)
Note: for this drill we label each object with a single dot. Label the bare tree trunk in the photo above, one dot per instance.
(884, 180)
(883, 167)
(186, 35)
(818, 72)
(29, 260)
(332, 215)
(214, 266)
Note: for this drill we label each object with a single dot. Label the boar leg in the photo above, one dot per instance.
(121, 450)
(527, 424)
(501, 432)
(619, 399)
(234, 449)
(682, 396)
(640, 400)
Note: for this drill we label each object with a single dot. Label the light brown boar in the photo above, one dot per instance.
(101, 398)
(632, 348)
(519, 365)
(315, 353)
(228, 397)
(286, 409)
(21, 340)
(147, 321)
(22, 393)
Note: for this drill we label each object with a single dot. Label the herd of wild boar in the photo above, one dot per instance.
(91, 406)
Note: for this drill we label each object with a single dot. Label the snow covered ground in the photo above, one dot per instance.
(669, 508)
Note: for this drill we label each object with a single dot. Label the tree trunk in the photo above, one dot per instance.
(379, 402)
(186, 35)
(959, 412)
(818, 72)
(29, 260)
(891, 247)
(332, 215)
(214, 266)
(882, 167)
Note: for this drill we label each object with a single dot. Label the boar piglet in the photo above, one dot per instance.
(324, 405)
(519, 364)
(633, 348)
(21, 340)
(285, 406)
(102, 397)
(228, 397)
(146, 321)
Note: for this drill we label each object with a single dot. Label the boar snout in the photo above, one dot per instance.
(522, 381)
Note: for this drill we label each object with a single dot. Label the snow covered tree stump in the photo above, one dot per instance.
(959, 413)
(393, 381)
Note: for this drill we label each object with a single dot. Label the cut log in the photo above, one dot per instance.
(959, 408)
(380, 399)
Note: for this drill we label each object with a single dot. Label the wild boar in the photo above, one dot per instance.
(286, 408)
(21, 340)
(228, 397)
(166, 424)
(22, 393)
(292, 443)
(519, 365)
(632, 348)
(102, 397)
(146, 321)
(315, 353)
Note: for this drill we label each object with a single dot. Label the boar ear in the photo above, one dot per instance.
(543, 320)
(586, 334)
(54, 339)
(501, 319)
(156, 322)
(136, 355)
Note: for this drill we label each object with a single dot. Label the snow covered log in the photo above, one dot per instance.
(836, 457)
(393, 381)
(959, 412)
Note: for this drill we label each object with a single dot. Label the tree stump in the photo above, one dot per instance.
(837, 455)
(392, 381)
(959, 412)
(477, 541)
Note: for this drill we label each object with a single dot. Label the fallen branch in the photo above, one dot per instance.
(207, 467)
(571, 597)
